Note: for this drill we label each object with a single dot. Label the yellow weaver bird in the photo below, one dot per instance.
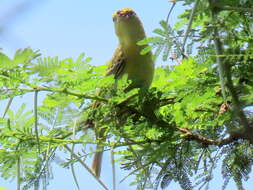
(127, 60)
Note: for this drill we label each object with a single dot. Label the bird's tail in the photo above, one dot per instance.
(97, 161)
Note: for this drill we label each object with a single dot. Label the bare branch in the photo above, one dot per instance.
(85, 166)
(191, 136)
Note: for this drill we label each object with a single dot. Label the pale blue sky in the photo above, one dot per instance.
(66, 28)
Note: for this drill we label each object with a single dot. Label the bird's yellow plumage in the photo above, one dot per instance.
(128, 60)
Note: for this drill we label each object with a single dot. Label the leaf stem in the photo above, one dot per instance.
(189, 25)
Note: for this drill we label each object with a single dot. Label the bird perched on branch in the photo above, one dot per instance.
(127, 60)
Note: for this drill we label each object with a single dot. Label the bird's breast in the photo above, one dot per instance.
(139, 68)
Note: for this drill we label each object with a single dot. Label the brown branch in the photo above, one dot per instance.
(187, 133)
(192, 136)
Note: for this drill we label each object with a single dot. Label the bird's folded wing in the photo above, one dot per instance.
(117, 64)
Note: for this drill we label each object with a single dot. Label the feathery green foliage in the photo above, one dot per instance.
(177, 131)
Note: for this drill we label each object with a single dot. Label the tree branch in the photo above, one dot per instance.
(227, 82)
(36, 119)
(187, 132)
(170, 11)
(59, 90)
(191, 136)
(189, 24)
(237, 9)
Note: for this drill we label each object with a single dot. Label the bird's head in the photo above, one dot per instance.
(127, 25)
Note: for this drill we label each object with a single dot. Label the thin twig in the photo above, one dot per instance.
(113, 168)
(73, 171)
(170, 11)
(36, 119)
(44, 167)
(192, 136)
(137, 169)
(71, 157)
(8, 106)
(220, 62)
(59, 90)
(189, 25)
(85, 166)
(18, 174)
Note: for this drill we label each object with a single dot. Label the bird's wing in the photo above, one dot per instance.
(117, 64)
